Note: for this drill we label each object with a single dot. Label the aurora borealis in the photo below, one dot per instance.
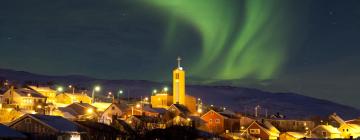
(307, 47)
(244, 37)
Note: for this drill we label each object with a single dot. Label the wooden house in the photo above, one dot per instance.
(218, 122)
(44, 127)
(261, 130)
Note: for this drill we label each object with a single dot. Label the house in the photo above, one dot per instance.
(69, 98)
(141, 122)
(40, 127)
(179, 110)
(261, 130)
(325, 132)
(115, 110)
(292, 136)
(46, 91)
(22, 98)
(7, 133)
(76, 111)
(245, 121)
(347, 130)
(99, 131)
(285, 125)
(218, 122)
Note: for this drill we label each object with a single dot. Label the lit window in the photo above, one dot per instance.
(254, 131)
(210, 121)
(217, 120)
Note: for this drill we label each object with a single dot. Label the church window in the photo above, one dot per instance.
(177, 76)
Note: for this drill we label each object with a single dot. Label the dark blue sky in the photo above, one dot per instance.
(120, 39)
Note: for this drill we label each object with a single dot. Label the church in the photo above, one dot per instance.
(178, 97)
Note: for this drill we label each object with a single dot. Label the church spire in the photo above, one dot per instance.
(179, 61)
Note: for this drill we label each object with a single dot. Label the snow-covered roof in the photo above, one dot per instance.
(57, 122)
(8, 133)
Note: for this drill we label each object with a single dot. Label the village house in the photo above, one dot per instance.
(347, 130)
(285, 125)
(99, 131)
(22, 98)
(292, 136)
(115, 110)
(144, 122)
(80, 111)
(325, 132)
(7, 133)
(69, 98)
(46, 91)
(261, 130)
(219, 122)
(44, 127)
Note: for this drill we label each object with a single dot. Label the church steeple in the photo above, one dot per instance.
(179, 61)
(179, 84)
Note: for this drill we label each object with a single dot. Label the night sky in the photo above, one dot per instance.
(310, 47)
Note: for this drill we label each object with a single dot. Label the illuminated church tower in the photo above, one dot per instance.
(179, 84)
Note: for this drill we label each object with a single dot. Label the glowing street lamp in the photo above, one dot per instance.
(96, 89)
(60, 89)
(166, 89)
(73, 88)
(154, 91)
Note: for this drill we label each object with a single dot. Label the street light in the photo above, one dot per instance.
(73, 88)
(166, 89)
(111, 96)
(96, 89)
(60, 89)
(154, 91)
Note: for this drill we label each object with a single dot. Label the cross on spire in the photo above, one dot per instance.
(179, 61)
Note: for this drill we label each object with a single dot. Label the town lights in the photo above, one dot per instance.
(96, 89)
(199, 110)
(39, 106)
(154, 91)
(137, 105)
(60, 89)
(146, 99)
(166, 89)
(121, 91)
(90, 111)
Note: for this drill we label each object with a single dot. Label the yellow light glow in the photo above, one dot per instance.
(137, 105)
(188, 119)
(39, 106)
(60, 89)
(90, 111)
(97, 88)
(166, 89)
(199, 110)
(146, 98)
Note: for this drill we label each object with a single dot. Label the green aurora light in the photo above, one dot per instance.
(247, 38)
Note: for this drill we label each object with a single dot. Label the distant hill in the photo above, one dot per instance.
(236, 98)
